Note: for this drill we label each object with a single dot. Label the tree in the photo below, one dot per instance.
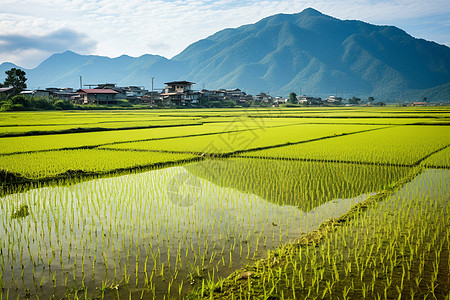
(293, 98)
(425, 99)
(371, 99)
(354, 100)
(15, 78)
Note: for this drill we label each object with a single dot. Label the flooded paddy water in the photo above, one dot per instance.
(158, 234)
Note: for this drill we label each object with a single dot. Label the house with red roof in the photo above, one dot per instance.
(97, 96)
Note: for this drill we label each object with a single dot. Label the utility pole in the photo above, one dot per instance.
(81, 82)
(151, 95)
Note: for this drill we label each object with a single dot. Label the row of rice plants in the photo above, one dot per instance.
(48, 164)
(441, 159)
(154, 234)
(396, 145)
(323, 112)
(35, 119)
(73, 140)
(13, 122)
(43, 118)
(398, 249)
(365, 121)
(305, 185)
(360, 113)
(243, 140)
(55, 129)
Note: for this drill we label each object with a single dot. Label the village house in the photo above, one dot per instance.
(303, 99)
(178, 87)
(334, 100)
(263, 97)
(121, 92)
(37, 93)
(153, 99)
(180, 92)
(97, 96)
(213, 95)
(235, 95)
(132, 93)
(60, 93)
(280, 100)
(64, 93)
(307, 100)
(135, 91)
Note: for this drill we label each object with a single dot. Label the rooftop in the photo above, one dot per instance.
(97, 91)
(179, 82)
(5, 89)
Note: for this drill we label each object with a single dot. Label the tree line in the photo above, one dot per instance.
(13, 100)
(354, 100)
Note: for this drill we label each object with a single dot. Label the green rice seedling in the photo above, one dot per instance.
(364, 253)
(386, 146)
(228, 201)
(231, 142)
(74, 140)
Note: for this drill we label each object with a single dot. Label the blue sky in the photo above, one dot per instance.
(32, 30)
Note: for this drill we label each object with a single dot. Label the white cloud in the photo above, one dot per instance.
(24, 58)
(136, 27)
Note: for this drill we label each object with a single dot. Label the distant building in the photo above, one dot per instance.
(121, 92)
(236, 95)
(134, 92)
(307, 100)
(178, 86)
(333, 99)
(42, 93)
(180, 92)
(97, 96)
(105, 86)
(303, 99)
(280, 100)
(263, 97)
(63, 93)
(124, 92)
(419, 104)
(153, 99)
(37, 93)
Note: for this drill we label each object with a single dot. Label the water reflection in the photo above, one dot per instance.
(302, 184)
(154, 233)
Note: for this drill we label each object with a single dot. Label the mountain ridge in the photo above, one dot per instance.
(307, 51)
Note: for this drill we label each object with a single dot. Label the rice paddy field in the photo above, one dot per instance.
(291, 203)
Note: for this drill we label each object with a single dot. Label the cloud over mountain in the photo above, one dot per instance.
(57, 41)
(13, 46)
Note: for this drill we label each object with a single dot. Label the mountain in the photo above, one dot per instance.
(64, 69)
(318, 54)
(7, 66)
(308, 52)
